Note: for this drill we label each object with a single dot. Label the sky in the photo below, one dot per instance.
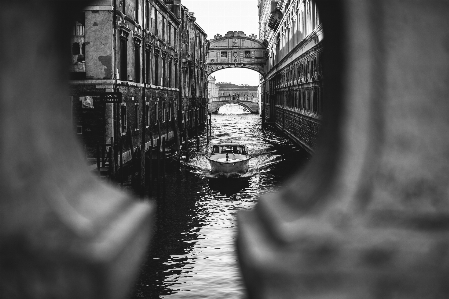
(221, 16)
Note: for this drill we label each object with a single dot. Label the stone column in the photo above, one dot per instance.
(368, 217)
(63, 232)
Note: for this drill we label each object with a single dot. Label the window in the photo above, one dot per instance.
(170, 79)
(170, 109)
(137, 69)
(123, 59)
(174, 36)
(170, 38)
(153, 19)
(147, 114)
(164, 31)
(136, 114)
(147, 14)
(167, 32)
(176, 75)
(123, 118)
(164, 73)
(137, 16)
(79, 129)
(158, 24)
(156, 110)
(315, 100)
(148, 66)
(247, 54)
(156, 69)
(224, 54)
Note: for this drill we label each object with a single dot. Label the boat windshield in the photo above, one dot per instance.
(230, 149)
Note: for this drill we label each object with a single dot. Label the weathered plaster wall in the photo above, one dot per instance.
(99, 44)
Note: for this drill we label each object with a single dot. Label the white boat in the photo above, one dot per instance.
(229, 159)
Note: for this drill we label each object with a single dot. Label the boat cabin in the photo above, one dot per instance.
(229, 149)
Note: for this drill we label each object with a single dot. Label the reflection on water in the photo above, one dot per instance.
(233, 109)
(228, 186)
(193, 253)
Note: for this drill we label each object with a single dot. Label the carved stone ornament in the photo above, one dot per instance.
(368, 216)
(64, 232)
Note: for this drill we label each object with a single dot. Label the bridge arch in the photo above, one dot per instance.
(236, 50)
(253, 107)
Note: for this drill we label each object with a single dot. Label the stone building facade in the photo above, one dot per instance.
(193, 89)
(136, 73)
(212, 89)
(292, 88)
(230, 91)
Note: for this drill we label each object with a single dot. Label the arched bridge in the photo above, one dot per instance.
(252, 107)
(236, 50)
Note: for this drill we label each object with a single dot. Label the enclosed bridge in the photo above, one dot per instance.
(236, 50)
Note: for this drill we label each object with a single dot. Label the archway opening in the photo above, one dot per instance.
(235, 88)
(233, 109)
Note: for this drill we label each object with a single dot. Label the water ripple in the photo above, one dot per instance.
(193, 252)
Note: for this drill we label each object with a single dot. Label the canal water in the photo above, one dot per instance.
(193, 249)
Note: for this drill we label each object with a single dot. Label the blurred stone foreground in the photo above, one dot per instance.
(368, 218)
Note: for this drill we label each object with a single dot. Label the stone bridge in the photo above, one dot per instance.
(236, 50)
(252, 107)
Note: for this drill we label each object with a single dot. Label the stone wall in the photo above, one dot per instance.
(301, 128)
(368, 216)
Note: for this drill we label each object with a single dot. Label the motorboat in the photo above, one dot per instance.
(229, 159)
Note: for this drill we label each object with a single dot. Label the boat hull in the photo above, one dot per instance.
(229, 168)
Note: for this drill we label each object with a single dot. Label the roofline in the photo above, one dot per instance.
(167, 10)
(195, 23)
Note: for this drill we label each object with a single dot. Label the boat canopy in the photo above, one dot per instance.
(231, 148)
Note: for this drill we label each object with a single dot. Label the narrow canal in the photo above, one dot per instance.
(193, 250)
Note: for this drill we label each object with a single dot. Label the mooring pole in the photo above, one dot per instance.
(112, 160)
(150, 163)
(163, 157)
(121, 165)
(98, 157)
(210, 125)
